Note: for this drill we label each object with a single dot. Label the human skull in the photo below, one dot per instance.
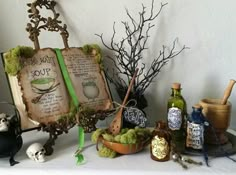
(36, 152)
(3, 122)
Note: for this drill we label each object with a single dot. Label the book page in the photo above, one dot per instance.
(44, 92)
(88, 79)
(12, 94)
(17, 98)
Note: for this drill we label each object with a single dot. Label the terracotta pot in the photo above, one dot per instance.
(125, 148)
(219, 117)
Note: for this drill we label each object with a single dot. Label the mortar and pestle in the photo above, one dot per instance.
(218, 112)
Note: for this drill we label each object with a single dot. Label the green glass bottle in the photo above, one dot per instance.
(176, 118)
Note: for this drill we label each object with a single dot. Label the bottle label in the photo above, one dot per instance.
(160, 147)
(174, 118)
(195, 135)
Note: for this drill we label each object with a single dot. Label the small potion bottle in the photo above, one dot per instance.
(195, 129)
(160, 143)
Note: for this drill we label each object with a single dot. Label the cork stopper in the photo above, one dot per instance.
(197, 106)
(161, 124)
(176, 86)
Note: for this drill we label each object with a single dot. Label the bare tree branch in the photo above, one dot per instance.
(129, 52)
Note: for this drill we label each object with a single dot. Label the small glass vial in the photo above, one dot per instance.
(195, 129)
(160, 143)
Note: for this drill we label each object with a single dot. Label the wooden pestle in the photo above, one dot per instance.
(228, 91)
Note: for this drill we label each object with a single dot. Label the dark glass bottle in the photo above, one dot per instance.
(177, 111)
(160, 143)
(195, 129)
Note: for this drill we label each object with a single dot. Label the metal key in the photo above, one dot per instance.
(190, 161)
(177, 158)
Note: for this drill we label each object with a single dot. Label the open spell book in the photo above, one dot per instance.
(47, 81)
(39, 90)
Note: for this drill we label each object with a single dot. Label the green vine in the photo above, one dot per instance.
(12, 58)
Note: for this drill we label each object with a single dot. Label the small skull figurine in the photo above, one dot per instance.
(4, 123)
(36, 152)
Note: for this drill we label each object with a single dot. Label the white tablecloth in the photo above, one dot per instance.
(62, 162)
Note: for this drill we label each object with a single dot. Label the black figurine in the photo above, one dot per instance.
(10, 137)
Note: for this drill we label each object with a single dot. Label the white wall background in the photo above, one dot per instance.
(208, 27)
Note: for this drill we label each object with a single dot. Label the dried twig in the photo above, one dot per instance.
(129, 52)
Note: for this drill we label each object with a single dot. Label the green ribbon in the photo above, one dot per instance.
(71, 90)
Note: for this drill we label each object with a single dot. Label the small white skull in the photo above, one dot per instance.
(4, 123)
(36, 152)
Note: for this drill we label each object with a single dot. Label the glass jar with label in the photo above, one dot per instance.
(176, 117)
(195, 129)
(160, 143)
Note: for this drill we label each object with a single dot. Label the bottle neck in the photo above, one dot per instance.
(197, 116)
(161, 125)
(176, 92)
(197, 110)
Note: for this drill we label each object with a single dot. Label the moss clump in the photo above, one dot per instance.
(130, 137)
(95, 135)
(108, 137)
(126, 136)
(106, 152)
(94, 50)
(12, 58)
